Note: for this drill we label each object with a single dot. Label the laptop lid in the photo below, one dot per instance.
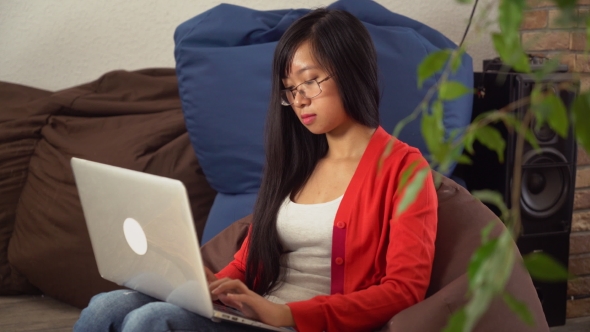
(143, 237)
(142, 233)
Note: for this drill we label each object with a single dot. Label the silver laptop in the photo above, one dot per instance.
(143, 237)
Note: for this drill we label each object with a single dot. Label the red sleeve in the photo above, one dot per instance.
(409, 258)
(236, 269)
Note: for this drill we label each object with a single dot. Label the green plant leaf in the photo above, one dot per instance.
(386, 153)
(486, 231)
(491, 138)
(431, 138)
(520, 308)
(511, 121)
(444, 157)
(442, 151)
(465, 160)
(511, 52)
(458, 59)
(438, 110)
(492, 197)
(406, 175)
(558, 120)
(510, 14)
(504, 261)
(580, 118)
(528, 135)
(432, 129)
(453, 153)
(469, 138)
(543, 267)
(452, 90)
(412, 190)
(521, 61)
(479, 257)
(540, 109)
(500, 45)
(432, 64)
(478, 305)
(490, 268)
(457, 321)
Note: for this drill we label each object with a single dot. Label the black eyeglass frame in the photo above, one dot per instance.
(295, 90)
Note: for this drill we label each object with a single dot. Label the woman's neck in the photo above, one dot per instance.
(350, 142)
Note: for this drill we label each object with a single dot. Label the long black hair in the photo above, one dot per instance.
(342, 46)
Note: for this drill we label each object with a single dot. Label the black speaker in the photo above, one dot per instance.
(548, 175)
(553, 295)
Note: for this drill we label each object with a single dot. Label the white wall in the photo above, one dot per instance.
(55, 44)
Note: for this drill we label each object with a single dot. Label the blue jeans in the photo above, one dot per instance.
(131, 311)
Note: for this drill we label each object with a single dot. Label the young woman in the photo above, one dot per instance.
(327, 250)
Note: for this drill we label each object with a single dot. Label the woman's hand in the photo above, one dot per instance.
(210, 275)
(234, 293)
(210, 279)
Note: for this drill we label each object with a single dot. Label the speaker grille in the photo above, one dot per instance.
(544, 134)
(545, 183)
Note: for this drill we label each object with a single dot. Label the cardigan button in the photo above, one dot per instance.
(339, 261)
(341, 224)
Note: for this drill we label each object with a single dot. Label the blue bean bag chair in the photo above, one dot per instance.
(223, 64)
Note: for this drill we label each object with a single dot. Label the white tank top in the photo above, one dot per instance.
(305, 231)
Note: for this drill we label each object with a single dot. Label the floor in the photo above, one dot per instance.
(574, 325)
(46, 314)
(39, 313)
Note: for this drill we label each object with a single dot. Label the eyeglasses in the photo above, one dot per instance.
(308, 89)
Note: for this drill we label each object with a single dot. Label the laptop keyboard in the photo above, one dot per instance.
(226, 309)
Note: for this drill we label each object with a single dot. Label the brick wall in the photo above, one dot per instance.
(542, 34)
(579, 263)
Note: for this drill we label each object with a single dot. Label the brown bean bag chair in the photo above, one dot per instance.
(22, 115)
(128, 119)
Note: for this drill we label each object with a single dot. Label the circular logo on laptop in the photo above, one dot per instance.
(135, 236)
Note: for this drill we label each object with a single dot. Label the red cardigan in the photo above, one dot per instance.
(380, 264)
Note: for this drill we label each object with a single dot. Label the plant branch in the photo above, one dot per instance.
(514, 220)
